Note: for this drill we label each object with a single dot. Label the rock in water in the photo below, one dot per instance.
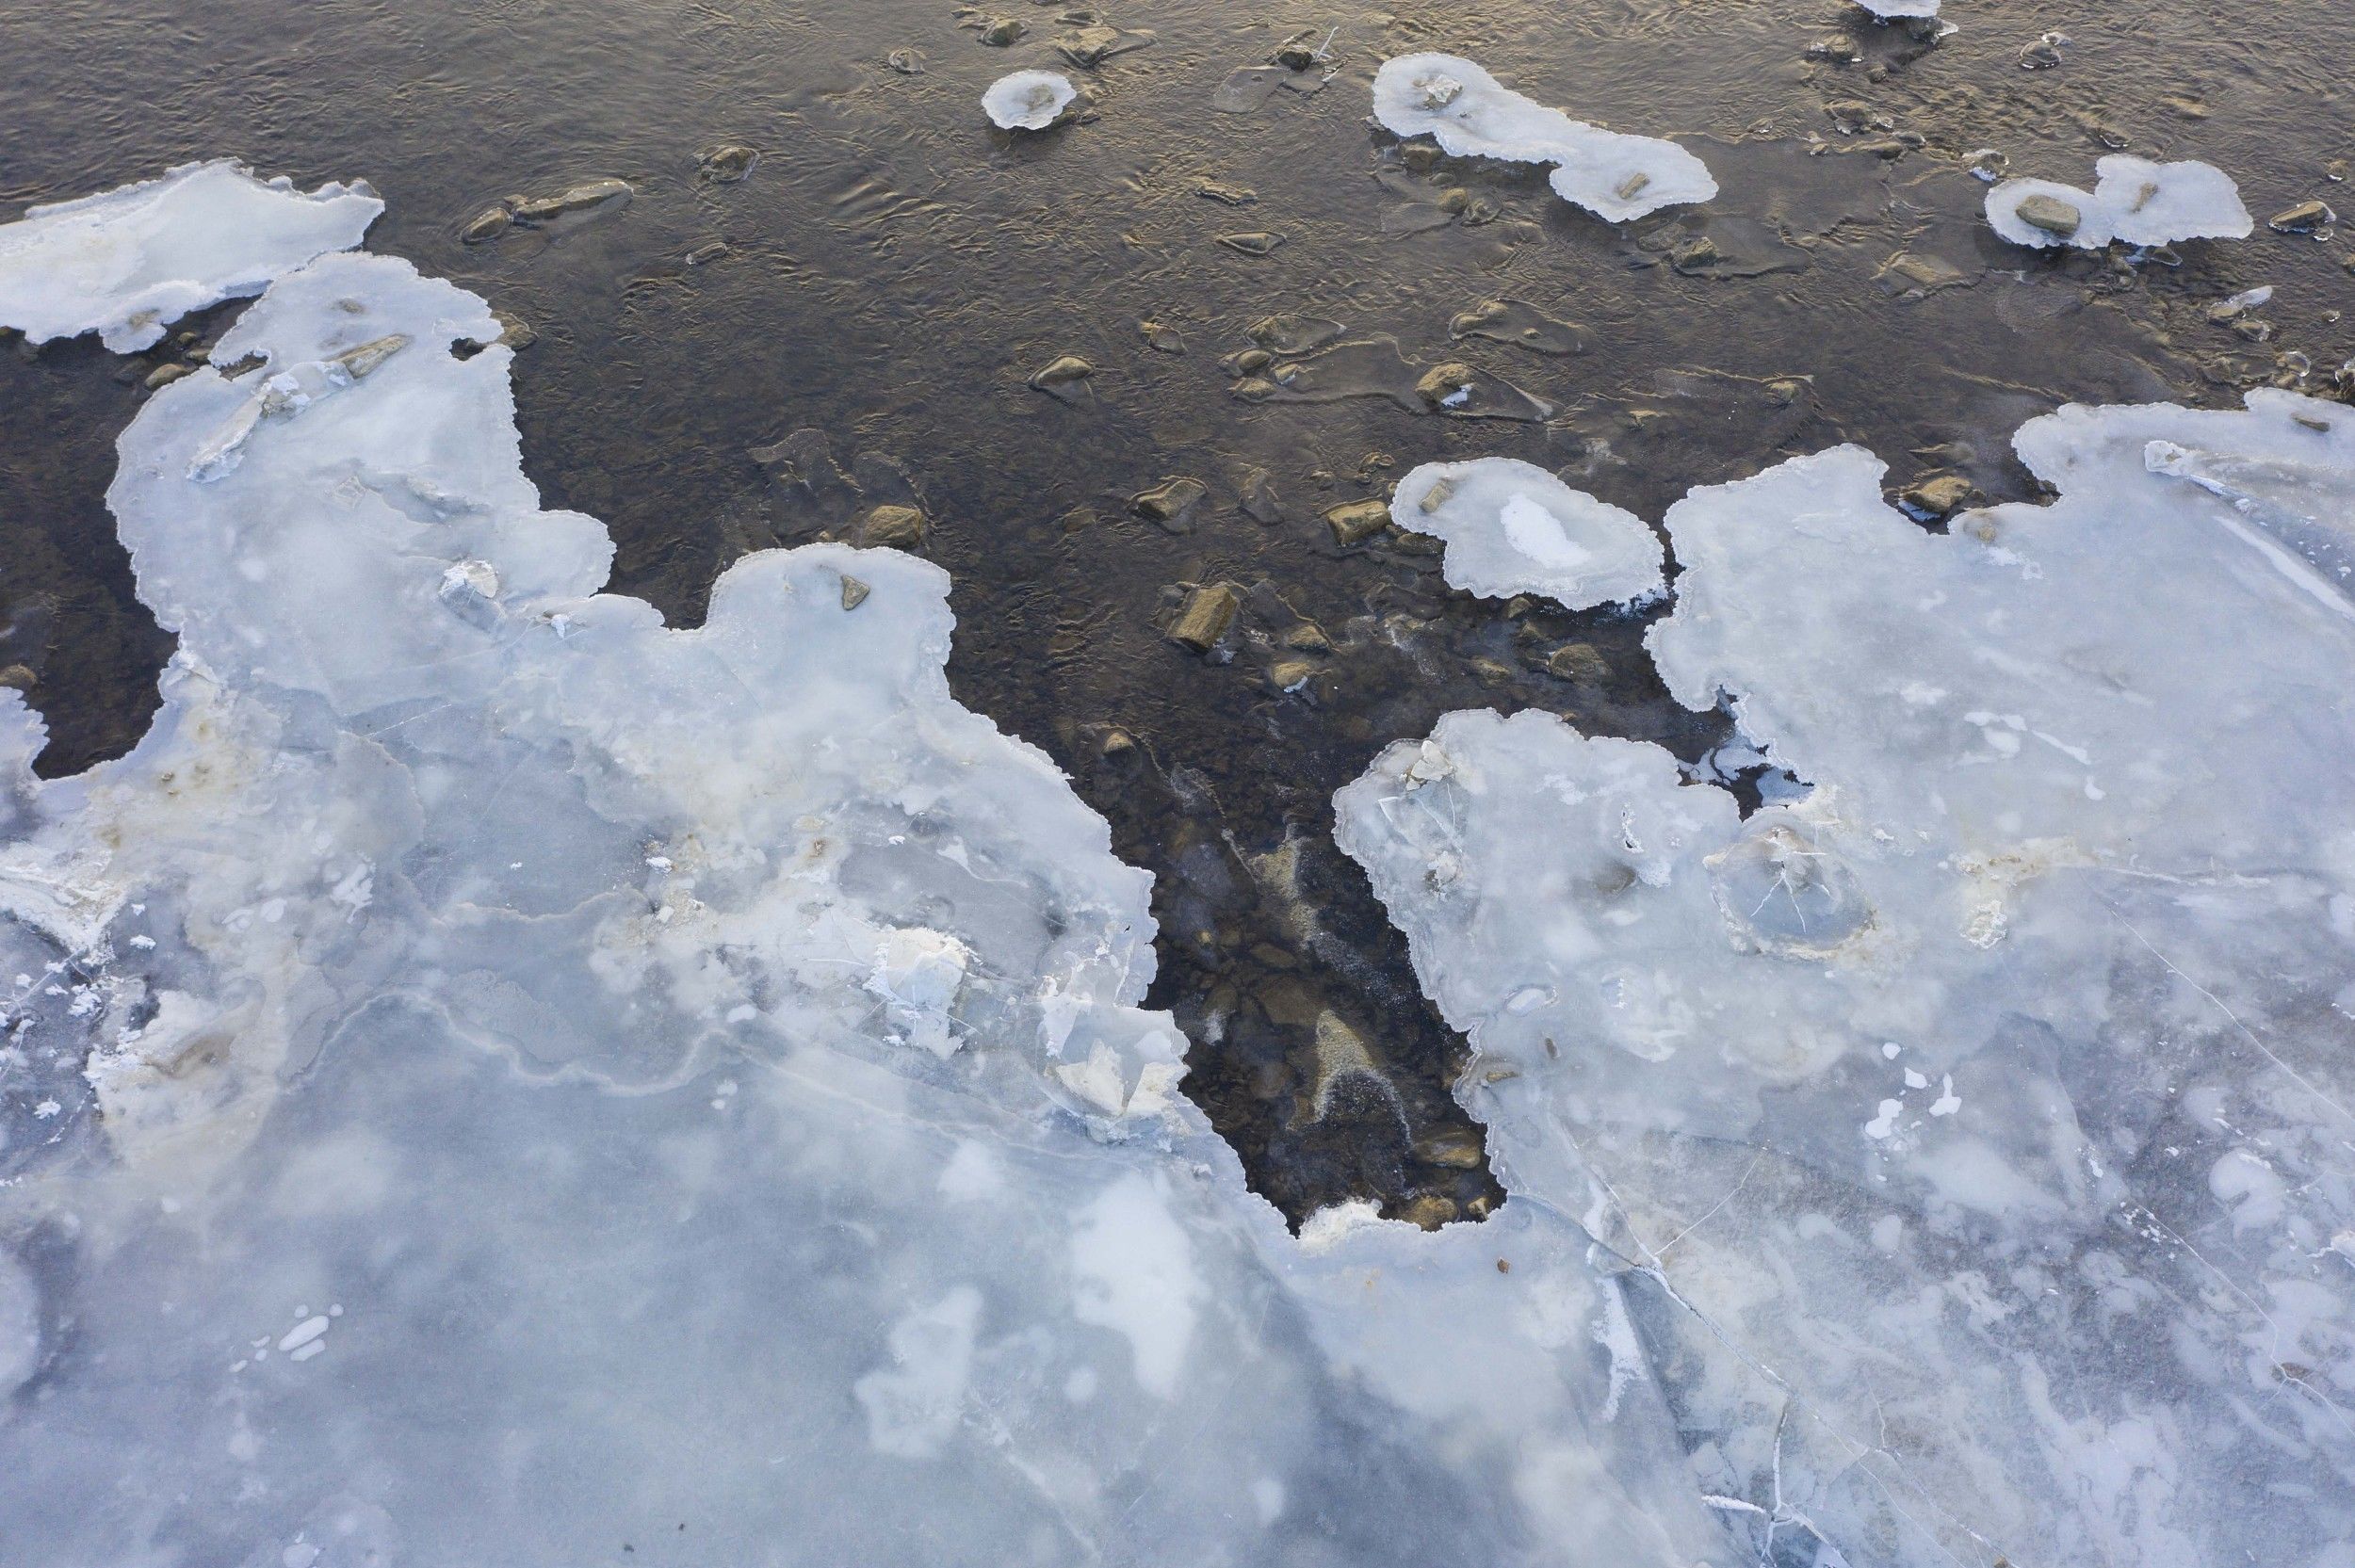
(590, 196)
(1205, 616)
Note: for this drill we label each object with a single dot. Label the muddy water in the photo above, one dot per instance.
(892, 273)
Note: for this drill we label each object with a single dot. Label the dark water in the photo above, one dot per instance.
(894, 271)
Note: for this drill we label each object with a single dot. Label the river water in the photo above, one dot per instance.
(893, 271)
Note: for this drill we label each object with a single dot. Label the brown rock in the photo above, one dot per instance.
(1355, 522)
(892, 526)
(1207, 613)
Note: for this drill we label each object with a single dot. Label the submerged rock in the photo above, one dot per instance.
(1520, 324)
(491, 222)
(1205, 616)
(1064, 378)
(590, 196)
(1171, 503)
(727, 163)
(1355, 522)
(1254, 244)
(896, 526)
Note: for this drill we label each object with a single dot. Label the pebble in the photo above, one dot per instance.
(1001, 31)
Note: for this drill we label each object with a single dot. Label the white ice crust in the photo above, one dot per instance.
(1511, 528)
(126, 264)
(1974, 1130)
(1473, 114)
(1898, 10)
(1027, 100)
(494, 1078)
(2134, 200)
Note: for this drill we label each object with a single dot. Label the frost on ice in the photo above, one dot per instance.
(1473, 115)
(1511, 528)
(2133, 201)
(1975, 1129)
(1027, 100)
(493, 1078)
(126, 264)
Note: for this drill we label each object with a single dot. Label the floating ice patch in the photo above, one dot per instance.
(545, 978)
(1511, 528)
(2134, 200)
(1899, 10)
(1981, 1116)
(128, 263)
(1027, 100)
(1473, 115)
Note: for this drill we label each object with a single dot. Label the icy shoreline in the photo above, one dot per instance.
(518, 1076)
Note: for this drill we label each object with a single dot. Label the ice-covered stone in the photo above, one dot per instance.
(1900, 11)
(1511, 528)
(1977, 1122)
(127, 263)
(1027, 100)
(1473, 114)
(474, 1026)
(2133, 200)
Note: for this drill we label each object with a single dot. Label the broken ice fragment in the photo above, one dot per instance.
(2134, 200)
(1511, 528)
(1027, 100)
(1473, 114)
(128, 263)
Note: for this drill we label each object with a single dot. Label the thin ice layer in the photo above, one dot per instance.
(1980, 1125)
(498, 1079)
(2134, 200)
(126, 264)
(1473, 115)
(1511, 528)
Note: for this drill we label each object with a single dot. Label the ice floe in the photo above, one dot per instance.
(1473, 114)
(1027, 100)
(1511, 528)
(490, 1076)
(2133, 201)
(1974, 1128)
(127, 263)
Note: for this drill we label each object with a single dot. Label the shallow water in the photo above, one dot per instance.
(895, 271)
